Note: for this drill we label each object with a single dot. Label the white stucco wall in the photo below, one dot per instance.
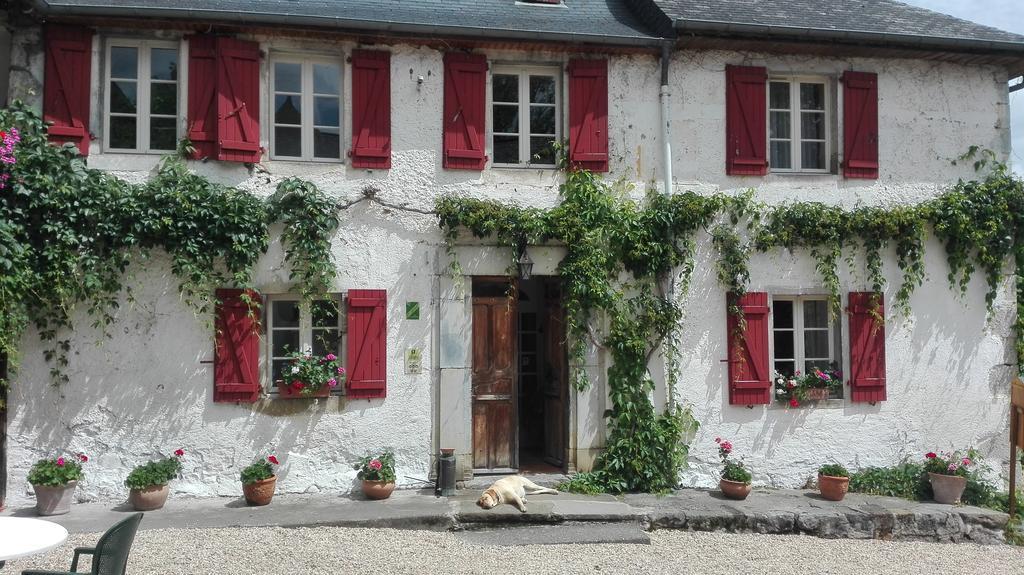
(146, 389)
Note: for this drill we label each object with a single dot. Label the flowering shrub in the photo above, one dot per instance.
(8, 140)
(154, 473)
(793, 390)
(308, 374)
(377, 467)
(950, 463)
(57, 471)
(731, 470)
(259, 470)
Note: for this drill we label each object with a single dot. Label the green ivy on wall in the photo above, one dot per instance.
(68, 234)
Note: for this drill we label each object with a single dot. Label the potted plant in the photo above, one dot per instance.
(816, 385)
(310, 376)
(948, 474)
(735, 481)
(147, 483)
(833, 481)
(378, 475)
(54, 481)
(259, 481)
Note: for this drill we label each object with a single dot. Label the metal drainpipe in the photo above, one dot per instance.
(666, 162)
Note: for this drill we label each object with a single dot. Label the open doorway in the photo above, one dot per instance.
(520, 376)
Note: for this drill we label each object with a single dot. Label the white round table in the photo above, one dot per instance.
(23, 536)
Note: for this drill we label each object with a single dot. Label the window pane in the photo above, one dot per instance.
(287, 77)
(506, 119)
(326, 79)
(781, 156)
(324, 313)
(779, 125)
(527, 343)
(506, 149)
(124, 97)
(815, 313)
(542, 150)
(505, 88)
(287, 142)
(287, 110)
(812, 126)
(542, 89)
(786, 368)
(816, 343)
(813, 155)
(542, 120)
(822, 364)
(286, 313)
(326, 143)
(122, 132)
(325, 111)
(280, 365)
(124, 62)
(782, 313)
(779, 95)
(812, 96)
(163, 64)
(163, 133)
(326, 341)
(784, 348)
(163, 99)
(286, 341)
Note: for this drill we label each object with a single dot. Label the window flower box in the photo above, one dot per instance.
(292, 391)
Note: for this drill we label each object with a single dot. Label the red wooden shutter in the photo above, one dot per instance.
(867, 347)
(371, 109)
(367, 344)
(236, 364)
(746, 139)
(465, 103)
(588, 114)
(202, 95)
(66, 84)
(860, 125)
(749, 379)
(238, 100)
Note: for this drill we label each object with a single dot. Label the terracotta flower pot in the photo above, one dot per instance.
(149, 498)
(947, 488)
(378, 489)
(54, 500)
(261, 492)
(833, 488)
(734, 489)
(285, 392)
(818, 394)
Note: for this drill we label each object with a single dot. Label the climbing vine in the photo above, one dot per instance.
(68, 234)
(621, 253)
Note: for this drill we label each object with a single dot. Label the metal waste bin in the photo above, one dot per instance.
(445, 473)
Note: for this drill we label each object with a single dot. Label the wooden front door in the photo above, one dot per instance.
(556, 384)
(494, 378)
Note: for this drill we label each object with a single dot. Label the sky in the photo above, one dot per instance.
(1004, 14)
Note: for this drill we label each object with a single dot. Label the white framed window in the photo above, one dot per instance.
(142, 108)
(525, 116)
(292, 326)
(803, 335)
(799, 113)
(306, 112)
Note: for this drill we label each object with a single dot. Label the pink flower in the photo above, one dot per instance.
(376, 465)
(797, 372)
(966, 461)
(952, 467)
(83, 457)
(718, 440)
(179, 452)
(273, 459)
(332, 382)
(330, 357)
(60, 462)
(341, 371)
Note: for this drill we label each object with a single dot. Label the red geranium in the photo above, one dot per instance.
(81, 456)
(179, 452)
(930, 455)
(794, 403)
(273, 459)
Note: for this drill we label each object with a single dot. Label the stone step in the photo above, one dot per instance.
(564, 533)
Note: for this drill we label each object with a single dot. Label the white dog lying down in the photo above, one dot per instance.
(512, 490)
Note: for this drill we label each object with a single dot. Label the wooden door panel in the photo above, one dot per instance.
(492, 439)
(494, 383)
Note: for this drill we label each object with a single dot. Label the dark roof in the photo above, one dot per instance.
(889, 21)
(605, 21)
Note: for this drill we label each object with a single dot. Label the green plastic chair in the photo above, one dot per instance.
(110, 555)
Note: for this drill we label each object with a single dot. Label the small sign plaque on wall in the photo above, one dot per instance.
(413, 361)
(412, 310)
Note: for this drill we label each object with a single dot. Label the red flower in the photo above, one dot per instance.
(81, 456)
(794, 403)
(297, 385)
(930, 455)
(718, 440)
(3, 134)
(179, 452)
(790, 385)
(273, 459)
(60, 462)
(375, 465)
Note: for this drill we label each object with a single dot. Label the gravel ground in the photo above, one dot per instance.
(339, 550)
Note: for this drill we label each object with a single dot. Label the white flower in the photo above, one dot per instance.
(295, 369)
